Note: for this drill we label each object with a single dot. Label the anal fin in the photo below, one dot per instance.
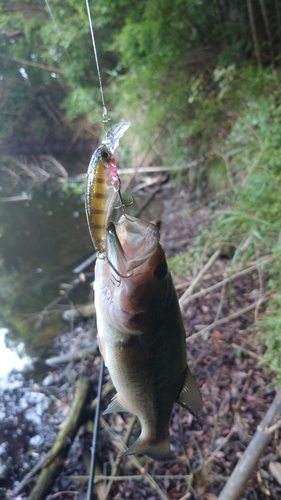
(114, 406)
(158, 451)
(190, 397)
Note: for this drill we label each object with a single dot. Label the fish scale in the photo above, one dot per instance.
(141, 334)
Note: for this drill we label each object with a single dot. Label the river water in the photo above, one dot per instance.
(43, 239)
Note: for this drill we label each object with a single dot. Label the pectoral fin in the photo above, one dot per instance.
(114, 406)
(190, 397)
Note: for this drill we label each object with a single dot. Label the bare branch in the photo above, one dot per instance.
(135, 462)
(229, 318)
(196, 280)
(243, 470)
(36, 65)
(118, 457)
(226, 280)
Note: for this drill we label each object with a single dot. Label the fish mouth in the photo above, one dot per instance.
(130, 243)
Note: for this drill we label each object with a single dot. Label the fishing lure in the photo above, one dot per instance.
(103, 185)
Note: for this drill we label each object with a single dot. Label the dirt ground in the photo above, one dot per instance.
(225, 361)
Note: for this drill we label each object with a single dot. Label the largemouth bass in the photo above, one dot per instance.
(103, 184)
(141, 333)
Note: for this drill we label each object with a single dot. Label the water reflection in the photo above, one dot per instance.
(42, 240)
(10, 360)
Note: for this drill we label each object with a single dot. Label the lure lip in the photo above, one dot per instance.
(112, 136)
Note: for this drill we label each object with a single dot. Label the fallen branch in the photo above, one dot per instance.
(55, 459)
(223, 282)
(161, 168)
(15, 198)
(51, 69)
(227, 319)
(149, 181)
(79, 312)
(196, 280)
(107, 388)
(243, 470)
(28, 477)
(118, 458)
(102, 477)
(86, 263)
(148, 200)
(135, 462)
(248, 352)
(150, 169)
(73, 356)
(218, 448)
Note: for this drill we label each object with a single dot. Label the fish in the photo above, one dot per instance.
(102, 185)
(141, 333)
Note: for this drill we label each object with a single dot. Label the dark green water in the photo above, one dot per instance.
(42, 241)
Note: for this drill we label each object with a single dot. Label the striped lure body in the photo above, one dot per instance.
(103, 185)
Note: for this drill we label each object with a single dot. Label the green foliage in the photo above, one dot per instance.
(190, 262)
(271, 335)
(181, 264)
(251, 155)
(73, 188)
(165, 67)
(186, 75)
(252, 158)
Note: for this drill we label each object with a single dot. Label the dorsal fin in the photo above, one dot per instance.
(114, 406)
(190, 397)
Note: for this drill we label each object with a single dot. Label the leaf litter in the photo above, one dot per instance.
(225, 361)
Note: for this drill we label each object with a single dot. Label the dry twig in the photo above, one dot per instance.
(243, 470)
(118, 458)
(223, 282)
(196, 280)
(135, 462)
(56, 457)
(229, 318)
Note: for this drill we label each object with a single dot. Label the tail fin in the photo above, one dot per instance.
(158, 451)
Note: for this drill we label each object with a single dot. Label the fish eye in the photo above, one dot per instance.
(105, 155)
(160, 271)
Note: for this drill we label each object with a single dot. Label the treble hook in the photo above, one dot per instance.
(103, 256)
(122, 204)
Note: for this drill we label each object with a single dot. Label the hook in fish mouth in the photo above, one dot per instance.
(130, 243)
(103, 256)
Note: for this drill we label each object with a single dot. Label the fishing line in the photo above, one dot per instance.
(95, 434)
(57, 28)
(105, 115)
(106, 119)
